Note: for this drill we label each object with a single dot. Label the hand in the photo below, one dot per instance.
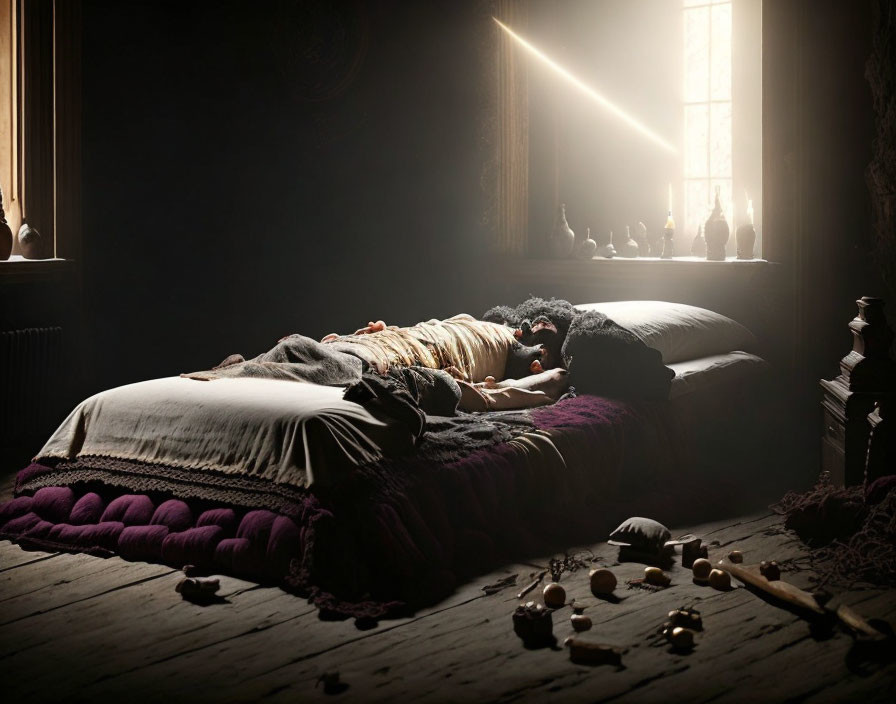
(377, 326)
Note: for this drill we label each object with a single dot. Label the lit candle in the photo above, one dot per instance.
(750, 211)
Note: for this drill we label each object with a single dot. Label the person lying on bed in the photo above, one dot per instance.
(494, 367)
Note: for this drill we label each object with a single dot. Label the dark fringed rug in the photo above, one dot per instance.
(851, 531)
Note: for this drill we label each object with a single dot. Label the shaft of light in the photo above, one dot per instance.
(585, 88)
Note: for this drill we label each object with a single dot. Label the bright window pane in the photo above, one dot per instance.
(696, 54)
(720, 140)
(720, 68)
(725, 198)
(696, 208)
(696, 125)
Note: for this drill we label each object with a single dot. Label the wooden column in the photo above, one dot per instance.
(68, 128)
(513, 138)
(37, 141)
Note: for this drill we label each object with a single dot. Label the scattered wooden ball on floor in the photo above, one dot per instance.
(736, 556)
(554, 595)
(603, 581)
(686, 618)
(580, 622)
(655, 576)
(770, 570)
(720, 579)
(681, 638)
(702, 568)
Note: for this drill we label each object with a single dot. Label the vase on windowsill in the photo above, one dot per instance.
(745, 236)
(5, 233)
(563, 240)
(31, 243)
(716, 232)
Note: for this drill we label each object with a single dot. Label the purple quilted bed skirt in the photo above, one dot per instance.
(392, 540)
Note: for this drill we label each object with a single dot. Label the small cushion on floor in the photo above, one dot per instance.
(54, 503)
(240, 556)
(102, 535)
(256, 526)
(106, 534)
(41, 529)
(142, 542)
(195, 546)
(15, 508)
(21, 524)
(130, 509)
(87, 509)
(224, 517)
(173, 513)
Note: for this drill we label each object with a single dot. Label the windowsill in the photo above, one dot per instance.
(682, 260)
(17, 269)
(644, 263)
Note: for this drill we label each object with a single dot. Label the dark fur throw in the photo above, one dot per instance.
(603, 358)
(558, 311)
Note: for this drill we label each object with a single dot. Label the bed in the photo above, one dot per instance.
(288, 482)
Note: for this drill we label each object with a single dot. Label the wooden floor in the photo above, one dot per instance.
(78, 628)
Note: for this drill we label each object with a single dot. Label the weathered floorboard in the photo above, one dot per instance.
(81, 629)
(12, 556)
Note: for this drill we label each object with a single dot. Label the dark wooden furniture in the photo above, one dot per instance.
(867, 376)
(882, 440)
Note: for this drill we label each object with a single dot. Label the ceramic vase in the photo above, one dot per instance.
(30, 242)
(629, 248)
(643, 245)
(607, 250)
(5, 233)
(668, 238)
(563, 239)
(587, 247)
(698, 246)
(716, 232)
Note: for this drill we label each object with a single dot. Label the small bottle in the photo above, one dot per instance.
(745, 237)
(629, 248)
(698, 246)
(668, 238)
(716, 232)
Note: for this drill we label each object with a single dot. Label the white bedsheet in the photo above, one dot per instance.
(285, 431)
(695, 375)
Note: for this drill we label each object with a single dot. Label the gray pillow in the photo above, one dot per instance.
(643, 534)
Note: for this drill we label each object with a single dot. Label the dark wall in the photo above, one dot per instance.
(825, 157)
(256, 169)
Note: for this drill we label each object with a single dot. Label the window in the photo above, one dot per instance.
(622, 98)
(40, 121)
(707, 152)
(8, 114)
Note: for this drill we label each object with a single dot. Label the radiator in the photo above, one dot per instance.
(31, 382)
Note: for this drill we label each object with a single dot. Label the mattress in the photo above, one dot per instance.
(285, 431)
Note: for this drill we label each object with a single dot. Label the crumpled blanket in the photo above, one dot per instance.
(294, 358)
(408, 395)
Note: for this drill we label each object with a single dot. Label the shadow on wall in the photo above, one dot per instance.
(253, 170)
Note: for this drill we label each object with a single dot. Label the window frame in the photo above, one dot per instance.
(44, 137)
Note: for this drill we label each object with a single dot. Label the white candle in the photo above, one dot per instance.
(750, 211)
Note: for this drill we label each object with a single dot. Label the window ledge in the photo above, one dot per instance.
(17, 269)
